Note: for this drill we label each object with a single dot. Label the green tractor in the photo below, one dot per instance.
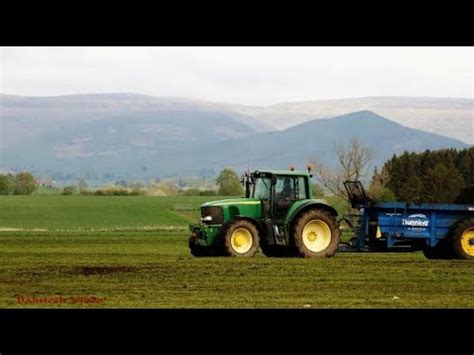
(278, 214)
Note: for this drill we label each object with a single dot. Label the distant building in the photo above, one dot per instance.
(46, 182)
(5, 171)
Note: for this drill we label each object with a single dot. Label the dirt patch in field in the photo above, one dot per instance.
(103, 270)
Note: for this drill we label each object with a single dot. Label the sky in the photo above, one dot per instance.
(247, 75)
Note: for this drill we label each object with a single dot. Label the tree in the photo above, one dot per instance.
(229, 183)
(406, 173)
(81, 186)
(317, 190)
(354, 161)
(443, 184)
(25, 184)
(432, 176)
(378, 190)
(6, 184)
(465, 165)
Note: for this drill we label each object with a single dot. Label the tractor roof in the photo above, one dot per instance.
(284, 172)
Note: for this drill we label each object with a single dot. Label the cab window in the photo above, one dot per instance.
(291, 188)
(262, 188)
(285, 188)
(302, 193)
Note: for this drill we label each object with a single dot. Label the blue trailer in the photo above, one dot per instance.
(441, 231)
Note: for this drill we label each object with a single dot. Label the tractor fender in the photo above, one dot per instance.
(302, 206)
(245, 218)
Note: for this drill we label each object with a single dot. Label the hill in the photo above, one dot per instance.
(131, 136)
(451, 116)
(317, 139)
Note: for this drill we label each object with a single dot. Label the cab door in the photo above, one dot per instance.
(286, 190)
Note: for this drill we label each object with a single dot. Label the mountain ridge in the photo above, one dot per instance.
(179, 137)
(453, 116)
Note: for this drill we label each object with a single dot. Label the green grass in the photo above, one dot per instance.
(43, 190)
(86, 212)
(142, 268)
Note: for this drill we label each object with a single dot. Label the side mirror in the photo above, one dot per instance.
(274, 180)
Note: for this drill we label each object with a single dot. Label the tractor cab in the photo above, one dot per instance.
(277, 191)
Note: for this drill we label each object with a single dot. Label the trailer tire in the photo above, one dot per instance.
(316, 234)
(442, 251)
(241, 238)
(463, 240)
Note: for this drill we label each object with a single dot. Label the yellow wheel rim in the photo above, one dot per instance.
(466, 244)
(241, 240)
(316, 235)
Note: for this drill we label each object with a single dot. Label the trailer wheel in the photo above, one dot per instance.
(442, 251)
(241, 238)
(316, 234)
(463, 240)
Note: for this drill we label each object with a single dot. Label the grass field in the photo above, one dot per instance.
(132, 252)
(96, 212)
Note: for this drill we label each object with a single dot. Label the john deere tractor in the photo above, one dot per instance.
(278, 214)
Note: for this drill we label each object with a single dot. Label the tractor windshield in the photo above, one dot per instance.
(262, 188)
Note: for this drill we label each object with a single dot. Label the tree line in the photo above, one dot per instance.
(441, 176)
(22, 183)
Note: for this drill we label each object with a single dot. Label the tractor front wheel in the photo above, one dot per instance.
(316, 234)
(198, 250)
(241, 238)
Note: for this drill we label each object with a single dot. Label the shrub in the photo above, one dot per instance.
(69, 190)
(197, 192)
(116, 191)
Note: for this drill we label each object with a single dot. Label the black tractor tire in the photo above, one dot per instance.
(197, 250)
(442, 251)
(459, 239)
(249, 239)
(331, 229)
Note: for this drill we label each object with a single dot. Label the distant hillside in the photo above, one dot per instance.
(452, 117)
(25, 118)
(139, 136)
(317, 139)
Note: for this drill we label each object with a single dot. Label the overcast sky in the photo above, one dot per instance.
(247, 75)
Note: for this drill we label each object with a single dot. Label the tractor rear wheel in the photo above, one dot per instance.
(463, 240)
(316, 234)
(241, 238)
(442, 251)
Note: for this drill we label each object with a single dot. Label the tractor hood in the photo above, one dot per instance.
(248, 207)
(233, 201)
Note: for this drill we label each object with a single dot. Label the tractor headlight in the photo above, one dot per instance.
(206, 219)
